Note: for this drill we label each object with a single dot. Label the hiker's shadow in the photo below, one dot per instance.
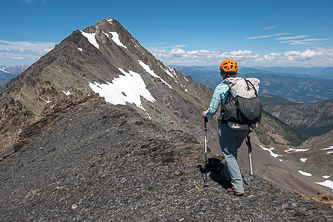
(214, 168)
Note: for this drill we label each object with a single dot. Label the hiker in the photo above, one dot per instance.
(230, 139)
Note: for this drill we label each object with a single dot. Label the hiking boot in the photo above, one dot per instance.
(232, 192)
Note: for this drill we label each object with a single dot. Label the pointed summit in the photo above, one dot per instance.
(105, 59)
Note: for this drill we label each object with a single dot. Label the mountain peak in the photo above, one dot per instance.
(106, 59)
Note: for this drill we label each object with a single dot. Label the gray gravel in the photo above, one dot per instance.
(100, 162)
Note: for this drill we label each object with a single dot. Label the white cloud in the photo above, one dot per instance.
(32, 1)
(271, 56)
(292, 55)
(240, 53)
(18, 58)
(292, 37)
(23, 50)
(266, 36)
(270, 27)
(296, 57)
(308, 57)
(177, 51)
(171, 30)
(321, 28)
(202, 57)
(47, 50)
(26, 46)
(304, 41)
(20, 50)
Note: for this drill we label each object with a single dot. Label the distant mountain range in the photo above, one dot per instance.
(7, 73)
(303, 72)
(296, 87)
(314, 119)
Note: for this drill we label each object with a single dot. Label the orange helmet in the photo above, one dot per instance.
(229, 65)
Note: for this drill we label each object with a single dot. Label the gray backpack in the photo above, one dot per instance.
(242, 108)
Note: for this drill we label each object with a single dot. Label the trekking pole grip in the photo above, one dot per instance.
(206, 120)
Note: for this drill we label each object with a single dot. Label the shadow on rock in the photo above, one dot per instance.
(213, 168)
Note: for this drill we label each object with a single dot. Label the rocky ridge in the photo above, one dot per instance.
(115, 165)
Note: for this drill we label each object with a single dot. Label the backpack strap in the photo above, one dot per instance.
(221, 119)
(250, 83)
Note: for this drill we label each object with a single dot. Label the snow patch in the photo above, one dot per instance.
(303, 159)
(80, 49)
(48, 101)
(328, 148)
(174, 72)
(326, 176)
(125, 88)
(270, 151)
(305, 173)
(115, 38)
(171, 72)
(135, 45)
(151, 72)
(107, 35)
(110, 20)
(326, 183)
(184, 87)
(295, 150)
(66, 93)
(3, 70)
(91, 38)
(168, 72)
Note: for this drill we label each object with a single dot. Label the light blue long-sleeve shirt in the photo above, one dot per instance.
(219, 97)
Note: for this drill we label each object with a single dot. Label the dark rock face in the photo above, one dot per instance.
(100, 162)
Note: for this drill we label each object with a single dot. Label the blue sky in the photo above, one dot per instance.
(180, 32)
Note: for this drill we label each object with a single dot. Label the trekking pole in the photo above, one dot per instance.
(205, 182)
(248, 142)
